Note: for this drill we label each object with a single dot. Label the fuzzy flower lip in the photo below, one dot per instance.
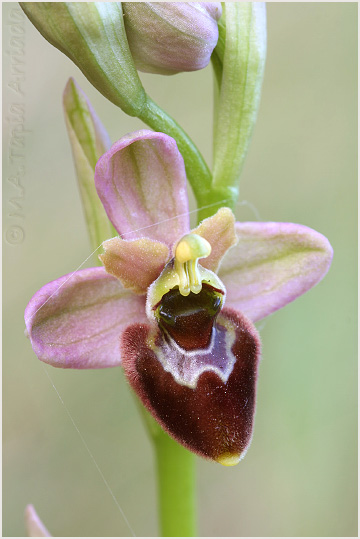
(270, 265)
(213, 413)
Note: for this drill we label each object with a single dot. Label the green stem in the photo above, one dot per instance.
(213, 199)
(176, 481)
(176, 488)
(197, 170)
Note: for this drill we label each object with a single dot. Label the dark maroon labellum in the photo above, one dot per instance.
(215, 417)
(189, 319)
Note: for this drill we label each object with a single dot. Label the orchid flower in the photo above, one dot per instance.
(176, 307)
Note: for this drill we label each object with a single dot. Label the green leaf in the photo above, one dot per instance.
(89, 141)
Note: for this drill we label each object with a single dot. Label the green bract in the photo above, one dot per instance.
(238, 61)
(92, 35)
(89, 141)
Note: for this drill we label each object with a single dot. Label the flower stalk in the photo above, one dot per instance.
(176, 481)
(176, 488)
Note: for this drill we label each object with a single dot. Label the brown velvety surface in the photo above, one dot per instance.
(214, 418)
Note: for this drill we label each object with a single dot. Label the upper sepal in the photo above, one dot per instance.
(204, 399)
(141, 182)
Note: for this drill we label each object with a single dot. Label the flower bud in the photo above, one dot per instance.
(169, 37)
(92, 35)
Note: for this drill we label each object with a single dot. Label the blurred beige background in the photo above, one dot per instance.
(300, 474)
